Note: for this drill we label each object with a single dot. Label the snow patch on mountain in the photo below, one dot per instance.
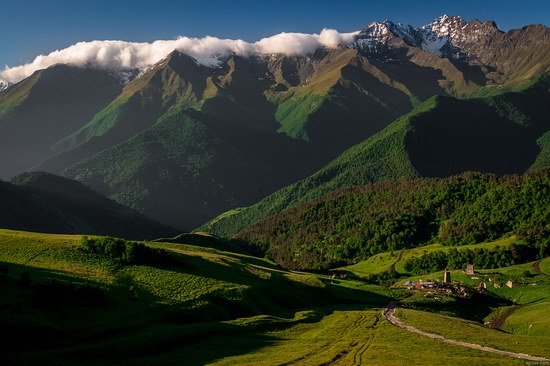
(373, 37)
(433, 44)
(376, 35)
(124, 76)
(404, 31)
(446, 26)
(4, 85)
(445, 36)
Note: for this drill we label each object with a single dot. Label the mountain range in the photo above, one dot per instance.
(441, 137)
(183, 142)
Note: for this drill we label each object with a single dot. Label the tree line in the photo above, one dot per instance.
(127, 252)
(479, 257)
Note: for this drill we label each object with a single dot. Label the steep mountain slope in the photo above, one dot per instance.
(501, 133)
(185, 167)
(515, 56)
(441, 137)
(190, 141)
(44, 108)
(248, 104)
(47, 203)
(302, 98)
(480, 50)
(141, 102)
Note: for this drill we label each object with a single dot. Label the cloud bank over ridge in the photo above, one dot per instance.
(122, 55)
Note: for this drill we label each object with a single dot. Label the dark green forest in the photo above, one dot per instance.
(354, 223)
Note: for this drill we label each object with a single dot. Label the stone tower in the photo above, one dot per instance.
(447, 276)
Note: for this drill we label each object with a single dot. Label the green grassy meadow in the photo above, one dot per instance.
(207, 306)
(383, 261)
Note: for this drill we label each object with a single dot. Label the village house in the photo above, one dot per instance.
(482, 286)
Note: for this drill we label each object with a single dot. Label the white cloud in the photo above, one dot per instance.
(206, 50)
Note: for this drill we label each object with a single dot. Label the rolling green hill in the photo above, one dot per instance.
(441, 137)
(204, 306)
(47, 203)
(395, 260)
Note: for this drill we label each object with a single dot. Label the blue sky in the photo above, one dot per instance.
(32, 27)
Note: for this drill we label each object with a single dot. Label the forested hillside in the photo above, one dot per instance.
(354, 223)
(443, 136)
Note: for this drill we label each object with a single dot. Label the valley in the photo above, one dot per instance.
(379, 196)
(184, 311)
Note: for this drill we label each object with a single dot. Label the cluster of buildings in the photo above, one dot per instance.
(496, 284)
(339, 275)
(449, 286)
(437, 286)
(483, 285)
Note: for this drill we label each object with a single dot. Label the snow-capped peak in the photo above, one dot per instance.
(445, 35)
(372, 38)
(446, 26)
(404, 31)
(4, 85)
(375, 30)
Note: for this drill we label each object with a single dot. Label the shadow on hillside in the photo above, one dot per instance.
(475, 308)
(120, 328)
(260, 280)
(199, 247)
(422, 81)
(479, 135)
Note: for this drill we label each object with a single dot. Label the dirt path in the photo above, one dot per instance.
(347, 353)
(536, 268)
(389, 314)
(392, 267)
(501, 319)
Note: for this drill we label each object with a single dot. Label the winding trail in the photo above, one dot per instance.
(392, 267)
(389, 315)
(536, 268)
(501, 319)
